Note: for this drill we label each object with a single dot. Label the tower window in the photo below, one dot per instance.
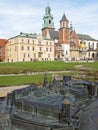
(49, 21)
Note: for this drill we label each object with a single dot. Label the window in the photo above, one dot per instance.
(28, 48)
(32, 48)
(40, 49)
(28, 55)
(28, 41)
(39, 54)
(93, 45)
(24, 55)
(50, 43)
(50, 49)
(46, 49)
(46, 43)
(66, 52)
(22, 40)
(15, 48)
(39, 42)
(89, 45)
(33, 41)
(34, 55)
(97, 44)
(22, 48)
(49, 21)
(48, 55)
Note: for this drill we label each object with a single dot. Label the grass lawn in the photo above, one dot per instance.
(22, 80)
(24, 67)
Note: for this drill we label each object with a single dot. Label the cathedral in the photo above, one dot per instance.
(68, 44)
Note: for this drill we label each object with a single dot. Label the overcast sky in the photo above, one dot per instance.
(27, 16)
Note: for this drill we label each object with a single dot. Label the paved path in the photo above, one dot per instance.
(35, 73)
(5, 90)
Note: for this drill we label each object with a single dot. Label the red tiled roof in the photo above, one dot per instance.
(3, 42)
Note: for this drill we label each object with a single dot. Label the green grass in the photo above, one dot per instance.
(24, 67)
(93, 65)
(22, 80)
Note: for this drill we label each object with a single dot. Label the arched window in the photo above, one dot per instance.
(49, 21)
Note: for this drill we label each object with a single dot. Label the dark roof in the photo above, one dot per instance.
(64, 18)
(29, 35)
(26, 35)
(53, 34)
(86, 37)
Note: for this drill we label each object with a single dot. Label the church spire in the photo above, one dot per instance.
(48, 21)
(64, 22)
(64, 18)
(48, 10)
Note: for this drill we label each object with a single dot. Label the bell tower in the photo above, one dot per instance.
(48, 21)
(64, 31)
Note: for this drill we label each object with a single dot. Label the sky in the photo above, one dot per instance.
(27, 16)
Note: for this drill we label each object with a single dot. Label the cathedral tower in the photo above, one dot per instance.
(64, 31)
(48, 21)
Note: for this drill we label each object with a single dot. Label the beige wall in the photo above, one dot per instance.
(26, 49)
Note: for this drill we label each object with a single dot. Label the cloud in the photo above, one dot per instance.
(23, 18)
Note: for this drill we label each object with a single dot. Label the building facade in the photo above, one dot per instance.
(88, 47)
(29, 47)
